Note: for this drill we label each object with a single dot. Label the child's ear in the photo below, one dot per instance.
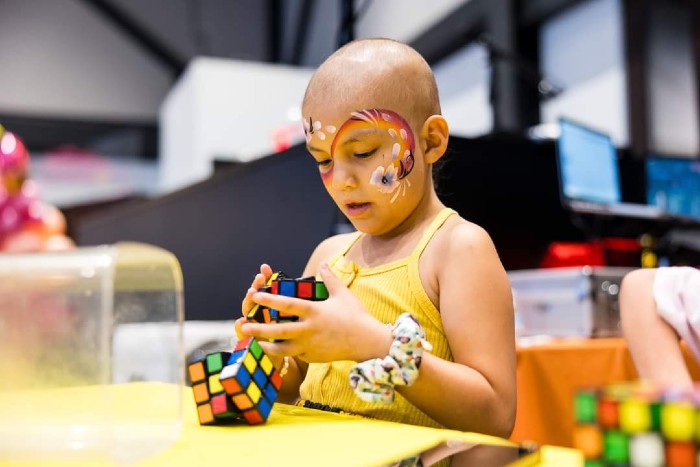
(435, 135)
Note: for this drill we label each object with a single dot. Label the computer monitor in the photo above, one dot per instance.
(587, 163)
(589, 174)
(673, 185)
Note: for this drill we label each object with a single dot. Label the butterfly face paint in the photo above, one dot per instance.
(390, 176)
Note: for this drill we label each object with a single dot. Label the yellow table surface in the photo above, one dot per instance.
(291, 436)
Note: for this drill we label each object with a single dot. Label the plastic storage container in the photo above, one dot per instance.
(72, 387)
(567, 302)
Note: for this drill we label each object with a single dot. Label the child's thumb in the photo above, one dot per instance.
(332, 282)
(237, 326)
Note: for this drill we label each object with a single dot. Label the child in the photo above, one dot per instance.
(657, 307)
(373, 125)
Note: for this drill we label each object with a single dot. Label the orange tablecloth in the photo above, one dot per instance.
(548, 374)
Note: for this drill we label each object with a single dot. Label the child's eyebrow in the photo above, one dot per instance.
(358, 135)
(314, 149)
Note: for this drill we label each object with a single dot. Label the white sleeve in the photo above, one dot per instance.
(677, 295)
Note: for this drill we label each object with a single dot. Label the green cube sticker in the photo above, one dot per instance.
(255, 349)
(616, 447)
(214, 362)
(585, 407)
(321, 291)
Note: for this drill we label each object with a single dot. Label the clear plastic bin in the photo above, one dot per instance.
(74, 384)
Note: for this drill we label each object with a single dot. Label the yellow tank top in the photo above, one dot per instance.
(386, 291)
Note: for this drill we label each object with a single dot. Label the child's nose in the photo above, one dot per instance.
(343, 178)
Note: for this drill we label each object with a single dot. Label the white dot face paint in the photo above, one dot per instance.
(315, 128)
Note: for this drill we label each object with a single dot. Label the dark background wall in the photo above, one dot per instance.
(272, 210)
(508, 185)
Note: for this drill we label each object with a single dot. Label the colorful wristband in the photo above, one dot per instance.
(374, 380)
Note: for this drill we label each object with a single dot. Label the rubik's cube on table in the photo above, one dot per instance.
(243, 384)
(637, 424)
(279, 284)
(234, 386)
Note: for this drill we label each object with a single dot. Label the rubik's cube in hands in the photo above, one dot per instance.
(235, 386)
(279, 284)
(243, 384)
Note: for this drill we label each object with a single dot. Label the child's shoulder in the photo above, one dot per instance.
(459, 233)
(460, 252)
(459, 244)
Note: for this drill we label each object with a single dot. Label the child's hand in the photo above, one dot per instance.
(338, 328)
(259, 281)
(240, 335)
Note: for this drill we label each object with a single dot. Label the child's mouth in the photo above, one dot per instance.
(355, 209)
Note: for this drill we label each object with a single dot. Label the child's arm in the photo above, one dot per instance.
(476, 392)
(653, 343)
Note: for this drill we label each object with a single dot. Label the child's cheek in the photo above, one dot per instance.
(326, 177)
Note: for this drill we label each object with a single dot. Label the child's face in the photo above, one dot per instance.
(368, 163)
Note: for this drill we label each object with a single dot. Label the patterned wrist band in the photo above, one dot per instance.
(374, 380)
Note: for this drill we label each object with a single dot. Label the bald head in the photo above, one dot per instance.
(376, 73)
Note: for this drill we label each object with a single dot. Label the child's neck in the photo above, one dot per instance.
(375, 250)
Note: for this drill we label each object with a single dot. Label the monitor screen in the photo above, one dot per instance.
(673, 185)
(587, 161)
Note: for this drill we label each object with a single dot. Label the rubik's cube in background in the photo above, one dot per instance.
(280, 284)
(637, 425)
(241, 385)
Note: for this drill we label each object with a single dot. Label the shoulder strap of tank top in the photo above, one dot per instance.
(346, 248)
(430, 231)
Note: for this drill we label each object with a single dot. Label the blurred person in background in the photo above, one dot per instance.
(27, 224)
(659, 308)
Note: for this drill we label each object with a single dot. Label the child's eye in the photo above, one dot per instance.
(365, 155)
(324, 163)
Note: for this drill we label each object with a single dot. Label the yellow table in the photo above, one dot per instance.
(291, 436)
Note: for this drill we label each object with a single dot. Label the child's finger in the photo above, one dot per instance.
(259, 281)
(277, 350)
(287, 306)
(278, 331)
(237, 327)
(248, 302)
(332, 282)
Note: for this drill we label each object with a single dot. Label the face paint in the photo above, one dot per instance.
(386, 179)
(315, 128)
